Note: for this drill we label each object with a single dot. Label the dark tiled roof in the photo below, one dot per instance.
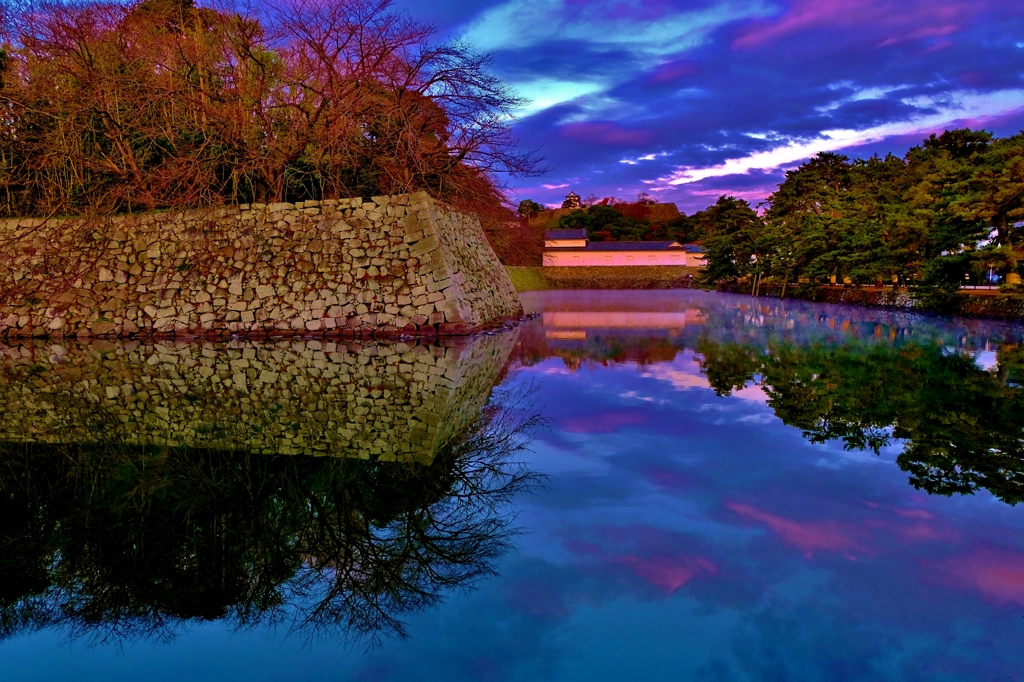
(693, 248)
(632, 246)
(566, 234)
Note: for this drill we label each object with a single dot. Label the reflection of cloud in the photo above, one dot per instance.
(685, 375)
(997, 574)
(753, 393)
(665, 478)
(682, 376)
(807, 536)
(633, 395)
(648, 552)
(668, 573)
(913, 532)
(604, 422)
(537, 598)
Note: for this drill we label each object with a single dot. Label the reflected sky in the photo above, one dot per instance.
(683, 534)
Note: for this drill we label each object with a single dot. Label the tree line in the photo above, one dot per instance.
(612, 219)
(118, 107)
(949, 212)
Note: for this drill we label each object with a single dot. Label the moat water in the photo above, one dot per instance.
(665, 485)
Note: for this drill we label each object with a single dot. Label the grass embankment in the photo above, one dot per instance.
(624, 277)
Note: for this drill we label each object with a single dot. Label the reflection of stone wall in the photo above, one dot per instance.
(390, 266)
(386, 401)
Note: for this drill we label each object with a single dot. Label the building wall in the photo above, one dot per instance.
(391, 266)
(615, 258)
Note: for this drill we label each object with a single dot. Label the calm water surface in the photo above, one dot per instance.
(717, 488)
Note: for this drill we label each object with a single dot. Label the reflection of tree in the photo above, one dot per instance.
(114, 542)
(962, 427)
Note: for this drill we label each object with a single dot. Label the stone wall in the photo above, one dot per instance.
(352, 268)
(372, 401)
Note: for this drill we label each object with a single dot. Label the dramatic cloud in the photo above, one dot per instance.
(692, 99)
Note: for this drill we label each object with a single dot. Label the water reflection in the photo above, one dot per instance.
(146, 488)
(688, 530)
(948, 391)
(377, 401)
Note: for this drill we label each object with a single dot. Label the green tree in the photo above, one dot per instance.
(605, 223)
(941, 172)
(529, 207)
(994, 194)
(733, 237)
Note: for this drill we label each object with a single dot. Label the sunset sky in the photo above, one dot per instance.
(689, 99)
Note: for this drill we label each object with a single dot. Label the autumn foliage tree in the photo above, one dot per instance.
(110, 107)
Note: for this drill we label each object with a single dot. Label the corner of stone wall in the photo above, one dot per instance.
(459, 270)
(398, 265)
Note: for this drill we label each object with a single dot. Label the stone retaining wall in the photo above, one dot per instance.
(387, 267)
(374, 401)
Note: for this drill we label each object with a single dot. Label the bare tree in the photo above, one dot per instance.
(160, 103)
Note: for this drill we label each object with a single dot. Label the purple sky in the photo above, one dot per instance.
(687, 100)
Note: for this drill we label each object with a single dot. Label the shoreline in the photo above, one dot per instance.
(965, 303)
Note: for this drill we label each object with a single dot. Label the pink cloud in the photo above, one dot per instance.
(673, 71)
(664, 478)
(808, 536)
(998, 574)
(668, 573)
(603, 422)
(913, 532)
(537, 598)
(896, 20)
(646, 552)
(913, 525)
(606, 133)
(922, 514)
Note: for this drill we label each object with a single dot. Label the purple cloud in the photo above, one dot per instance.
(689, 100)
(809, 536)
(995, 573)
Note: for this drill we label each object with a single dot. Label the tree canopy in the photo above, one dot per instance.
(949, 212)
(111, 107)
